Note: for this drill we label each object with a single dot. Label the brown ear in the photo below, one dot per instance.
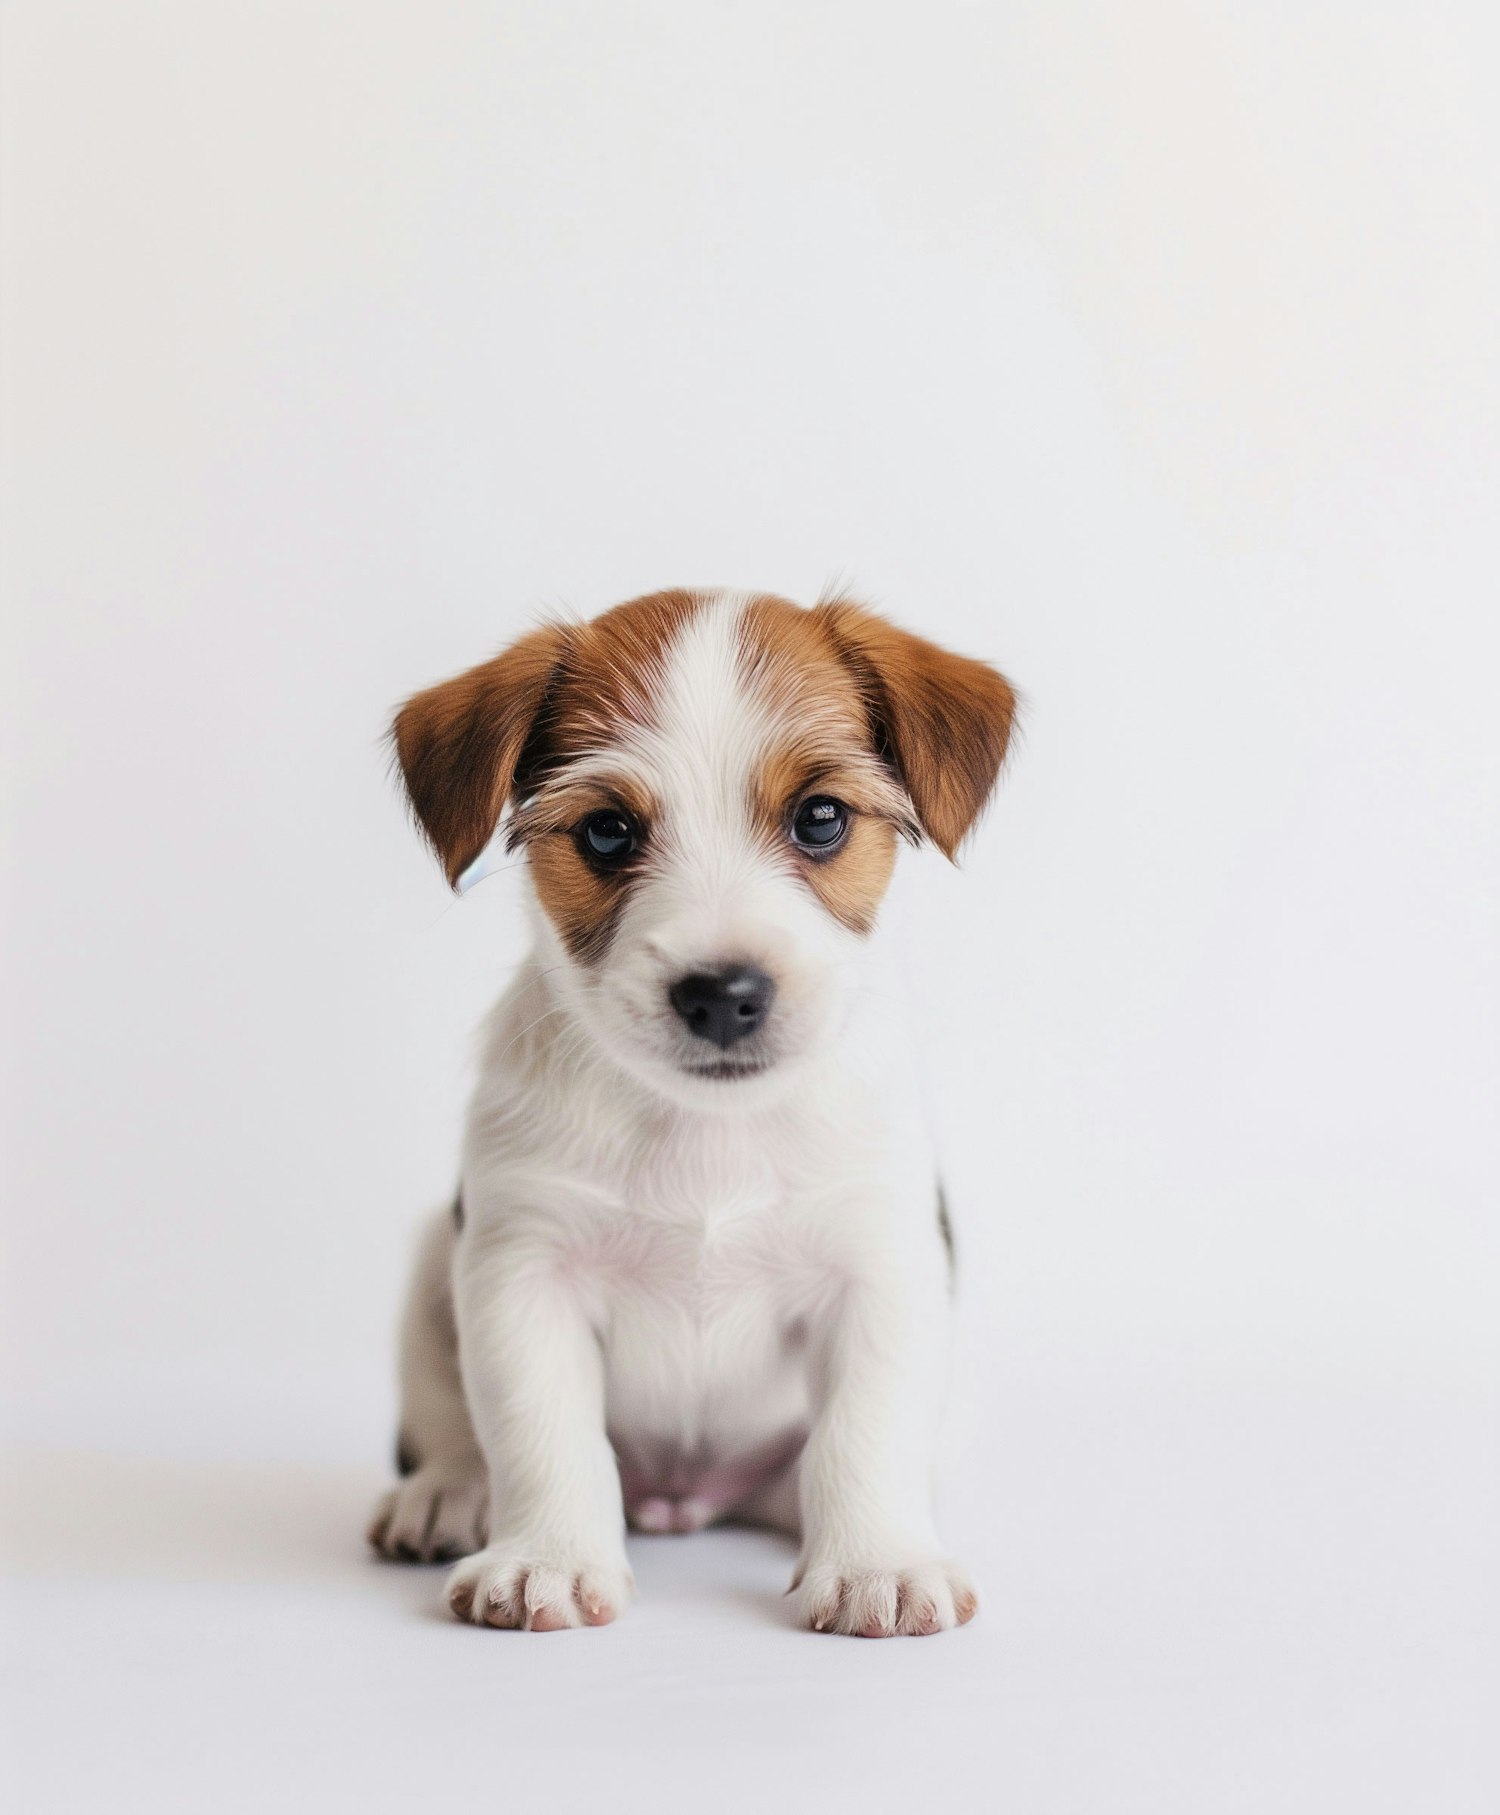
(942, 721)
(461, 744)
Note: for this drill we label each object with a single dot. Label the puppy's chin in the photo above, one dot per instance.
(715, 1083)
(726, 1089)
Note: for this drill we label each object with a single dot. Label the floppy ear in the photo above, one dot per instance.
(461, 744)
(942, 721)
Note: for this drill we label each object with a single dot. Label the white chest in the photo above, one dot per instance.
(704, 1293)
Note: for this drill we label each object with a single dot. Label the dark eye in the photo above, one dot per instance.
(820, 823)
(608, 836)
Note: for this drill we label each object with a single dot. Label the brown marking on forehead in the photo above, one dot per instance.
(789, 648)
(471, 745)
(822, 746)
(607, 674)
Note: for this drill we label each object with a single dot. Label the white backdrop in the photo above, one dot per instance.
(1148, 350)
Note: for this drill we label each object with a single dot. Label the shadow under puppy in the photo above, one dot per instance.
(697, 1266)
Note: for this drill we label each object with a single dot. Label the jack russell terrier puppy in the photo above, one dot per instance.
(698, 1266)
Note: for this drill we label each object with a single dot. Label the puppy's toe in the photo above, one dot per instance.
(380, 1520)
(876, 1601)
(435, 1514)
(510, 1588)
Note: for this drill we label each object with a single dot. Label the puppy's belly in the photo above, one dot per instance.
(703, 1412)
(674, 1490)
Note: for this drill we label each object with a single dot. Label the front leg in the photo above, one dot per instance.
(534, 1380)
(871, 1563)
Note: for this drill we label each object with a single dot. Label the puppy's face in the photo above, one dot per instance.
(710, 790)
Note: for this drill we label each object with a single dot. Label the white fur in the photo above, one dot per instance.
(670, 1276)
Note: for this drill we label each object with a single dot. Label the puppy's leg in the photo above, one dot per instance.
(535, 1378)
(871, 1563)
(436, 1511)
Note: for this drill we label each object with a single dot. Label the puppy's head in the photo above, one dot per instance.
(709, 789)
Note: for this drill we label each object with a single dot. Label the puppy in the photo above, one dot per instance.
(698, 1265)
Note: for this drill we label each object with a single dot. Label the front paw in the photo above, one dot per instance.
(537, 1588)
(881, 1600)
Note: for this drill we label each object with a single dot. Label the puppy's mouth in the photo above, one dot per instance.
(726, 1070)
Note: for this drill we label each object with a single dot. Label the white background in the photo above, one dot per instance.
(1148, 349)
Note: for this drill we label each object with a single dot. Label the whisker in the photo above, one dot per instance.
(557, 1009)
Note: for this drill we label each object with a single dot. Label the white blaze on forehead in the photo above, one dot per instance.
(696, 724)
(707, 731)
(710, 731)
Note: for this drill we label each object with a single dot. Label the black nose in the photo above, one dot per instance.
(723, 1005)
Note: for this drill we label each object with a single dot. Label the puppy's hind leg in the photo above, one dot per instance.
(438, 1510)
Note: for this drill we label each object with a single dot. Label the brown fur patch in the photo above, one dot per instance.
(469, 745)
(582, 903)
(852, 882)
(496, 734)
(461, 744)
(825, 749)
(608, 670)
(943, 721)
(582, 899)
(604, 681)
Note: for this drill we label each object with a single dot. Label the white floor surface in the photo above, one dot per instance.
(1199, 1602)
